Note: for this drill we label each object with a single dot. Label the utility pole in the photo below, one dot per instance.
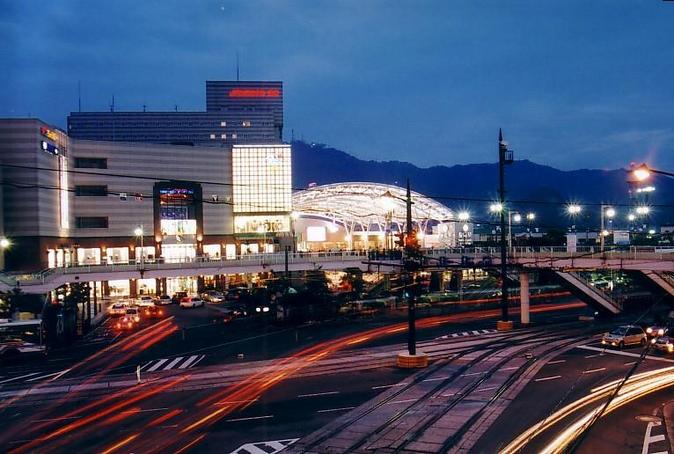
(505, 157)
(411, 315)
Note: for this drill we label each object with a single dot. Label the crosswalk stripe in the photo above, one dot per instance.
(187, 363)
(157, 365)
(18, 378)
(173, 363)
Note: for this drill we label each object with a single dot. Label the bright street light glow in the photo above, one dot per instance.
(573, 209)
(631, 217)
(495, 208)
(643, 210)
(517, 217)
(464, 216)
(531, 216)
(651, 232)
(605, 233)
(138, 231)
(465, 227)
(610, 212)
(646, 189)
(641, 173)
(4, 243)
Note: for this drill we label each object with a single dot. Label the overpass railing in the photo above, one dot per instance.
(541, 252)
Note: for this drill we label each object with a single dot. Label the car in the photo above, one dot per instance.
(191, 301)
(145, 301)
(153, 312)
(118, 309)
(163, 300)
(656, 330)
(178, 296)
(11, 349)
(213, 296)
(134, 314)
(663, 344)
(235, 294)
(625, 335)
(126, 323)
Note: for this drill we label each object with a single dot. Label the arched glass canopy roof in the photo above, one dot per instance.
(369, 207)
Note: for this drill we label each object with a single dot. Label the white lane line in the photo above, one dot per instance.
(553, 377)
(19, 378)
(621, 353)
(61, 374)
(649, 439)
(404, 401)
(335, 409)
(188, 361)
(388, 386)
(43, 376)
(594, 356)
(630, 363)
(448, 395)
(489, 388)
(557, 361)
(172, 364)
(327, 393)
(471, 374)
(511, 368)
(157, 365)
(435, 379)
(252, 418)
(475, 332)
(591, 371)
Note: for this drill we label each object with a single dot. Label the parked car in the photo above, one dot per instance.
(153, 312)
(118, 309)
(163, 300)
(236, 294)
(625, 335)
(191, 301)
(213, 296)
(664, 344)
(145, 301)
(178, 297)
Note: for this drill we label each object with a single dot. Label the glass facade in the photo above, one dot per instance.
(262, 179)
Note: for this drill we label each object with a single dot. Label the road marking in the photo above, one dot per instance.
(489, 388)
(436, 379)
(557, 361)
(157, 365)
(404, 401)
(388, 386)
(173, 363)
(590, 371)
(594, 356)
(60, 375)
(553, 377)
(335, 409)
(618, 352)
(649, 439)
(511, 368)
(472, 374)
(44, 376)
(264, 447)
(19, 378)
(252, 418)
(327, 393)
(189, 361)
(631, 363)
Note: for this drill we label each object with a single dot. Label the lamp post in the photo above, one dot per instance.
(464, 217)
(140, 233)
(606, 212)
(505, 157)
(388, 204)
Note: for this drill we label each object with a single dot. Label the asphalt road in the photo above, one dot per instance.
(284, 410)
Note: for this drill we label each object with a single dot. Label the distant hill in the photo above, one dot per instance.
(548, 189)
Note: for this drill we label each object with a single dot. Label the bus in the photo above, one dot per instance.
(20, 337)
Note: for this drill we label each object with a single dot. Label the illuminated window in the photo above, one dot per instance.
(223, 123)
(233, 136)
(212, 136)
(246, 123)
(223, 136)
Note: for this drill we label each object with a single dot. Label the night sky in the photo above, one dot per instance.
(574, 84)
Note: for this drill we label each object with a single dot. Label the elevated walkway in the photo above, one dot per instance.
(663, 280)
(589, 293)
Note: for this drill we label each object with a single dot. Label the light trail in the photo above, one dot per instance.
(124, 442)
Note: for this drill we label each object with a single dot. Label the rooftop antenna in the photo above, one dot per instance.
(79, 96)
(112, 105)
(237, 65)
(176, 107)
(144, 107)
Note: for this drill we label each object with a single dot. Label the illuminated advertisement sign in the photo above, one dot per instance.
(48, 133)
(181, 196)
(261, 224)
(255, 93)
(49, 148)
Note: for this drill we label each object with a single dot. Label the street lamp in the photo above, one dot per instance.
(140, 233)
(388, 203)
(631, 217)
(517, 217)
(4, 243)
(495, 207)
(606, 212)
(573, 209)
(464, 216)
(643, 210)
(531, 216)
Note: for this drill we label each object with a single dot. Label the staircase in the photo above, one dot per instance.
(595, 296)
(663, 280)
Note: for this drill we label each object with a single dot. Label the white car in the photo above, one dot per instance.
(191, 301)
(625, 335)
(118, 309)
(145, 300)
(163, 300)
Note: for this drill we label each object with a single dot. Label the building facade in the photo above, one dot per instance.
(237, 112)
(67, 201)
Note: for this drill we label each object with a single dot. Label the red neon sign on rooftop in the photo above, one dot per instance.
(255, 93)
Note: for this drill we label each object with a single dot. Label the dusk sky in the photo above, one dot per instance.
(574, 84)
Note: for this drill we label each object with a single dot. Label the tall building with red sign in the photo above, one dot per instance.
(237, 113)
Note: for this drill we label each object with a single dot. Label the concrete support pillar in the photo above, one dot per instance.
(164, 287)
(133, 288)
(105, 288)
(524, 298)
(158, 289)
